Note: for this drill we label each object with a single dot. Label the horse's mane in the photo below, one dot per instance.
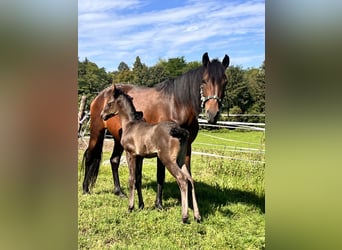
(184, 88)
(134, 114)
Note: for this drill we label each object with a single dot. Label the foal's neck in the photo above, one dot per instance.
(126, 112)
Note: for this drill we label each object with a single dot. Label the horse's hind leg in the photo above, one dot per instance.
(115, 161)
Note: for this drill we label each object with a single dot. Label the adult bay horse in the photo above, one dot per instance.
(180, 100)
(165, 140)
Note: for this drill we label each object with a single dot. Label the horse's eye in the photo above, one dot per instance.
(204, 81)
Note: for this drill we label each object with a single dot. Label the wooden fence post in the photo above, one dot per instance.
(80, 112)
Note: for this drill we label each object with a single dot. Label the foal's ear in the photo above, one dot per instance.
(225, 61)
(205, 59)
(116, 91)
(139, 115)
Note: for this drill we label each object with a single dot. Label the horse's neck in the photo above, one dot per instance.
(190, 83)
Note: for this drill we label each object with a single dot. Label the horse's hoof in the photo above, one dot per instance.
(86, 192)
(130, 209)
(141, 206)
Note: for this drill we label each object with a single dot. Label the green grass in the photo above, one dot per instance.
(230, 194)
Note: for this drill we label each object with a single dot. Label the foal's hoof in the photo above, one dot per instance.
(197, 219)
(185, 220)
(159, 206)
(130, 209)
(141, 206)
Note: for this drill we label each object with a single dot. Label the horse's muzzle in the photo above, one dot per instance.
(212, 117)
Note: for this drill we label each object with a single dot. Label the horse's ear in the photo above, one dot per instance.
(205, 59)
(113, 86)
(225, 61)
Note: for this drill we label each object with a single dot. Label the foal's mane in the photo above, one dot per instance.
(127, 102)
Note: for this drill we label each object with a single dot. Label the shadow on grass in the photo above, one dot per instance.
(212, 198)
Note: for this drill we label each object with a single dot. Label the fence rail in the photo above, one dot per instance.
(233, 125)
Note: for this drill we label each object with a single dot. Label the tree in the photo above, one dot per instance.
(173, 66)
(156, 74)
(123, 75)
(246, 90)
(140, 72)
(192, 65)
(91, 79)
(123, 66)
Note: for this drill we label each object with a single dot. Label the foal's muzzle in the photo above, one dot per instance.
(105, 117)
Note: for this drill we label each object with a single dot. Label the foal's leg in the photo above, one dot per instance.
(131, 160)
(115, 161)
(182, 181)
(160, 183)
(138, 177)
(197, 215)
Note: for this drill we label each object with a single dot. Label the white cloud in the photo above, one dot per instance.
(91, 6)
(111, 34)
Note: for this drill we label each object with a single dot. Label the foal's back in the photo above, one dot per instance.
(149, 140)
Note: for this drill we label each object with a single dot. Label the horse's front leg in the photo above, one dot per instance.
(160, 184)
(115, 161)
(138, 177)
(131, 160)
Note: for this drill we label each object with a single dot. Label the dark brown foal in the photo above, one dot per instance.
(165, 140)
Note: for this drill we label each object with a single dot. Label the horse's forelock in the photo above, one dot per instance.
(215, 69)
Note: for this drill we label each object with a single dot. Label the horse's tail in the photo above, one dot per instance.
(92, 156)
(183, 136)
(91, 163)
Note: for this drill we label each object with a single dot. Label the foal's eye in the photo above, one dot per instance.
(204, 81)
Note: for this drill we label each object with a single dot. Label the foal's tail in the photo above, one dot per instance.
(180, 133)
(183, 136)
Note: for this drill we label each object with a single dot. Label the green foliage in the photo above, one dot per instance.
(230, 193)
(245, 89)
(173, 66)
(236, 110)
(123, 66)
(91, 79)
(140, 73)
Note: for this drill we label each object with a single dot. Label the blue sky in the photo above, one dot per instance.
(112, 31)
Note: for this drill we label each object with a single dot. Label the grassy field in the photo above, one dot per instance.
(230, 194)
